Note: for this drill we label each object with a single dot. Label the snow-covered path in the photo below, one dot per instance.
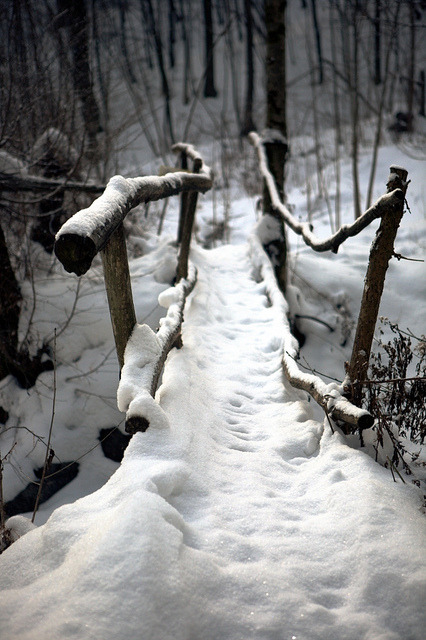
(245, 519)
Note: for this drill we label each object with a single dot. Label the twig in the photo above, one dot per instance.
(398, 256)
(49, 452)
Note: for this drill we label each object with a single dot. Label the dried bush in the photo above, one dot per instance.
(395, 395)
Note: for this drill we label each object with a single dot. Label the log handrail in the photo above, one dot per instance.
(388, 202)
(88, 231)
(99, 228)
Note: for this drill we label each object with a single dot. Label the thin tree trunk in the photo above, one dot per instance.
(276, 120)
(248, 124)
(377, 43)
(317, 41)
(209, 85)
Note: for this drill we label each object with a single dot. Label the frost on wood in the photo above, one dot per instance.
(328, 396)
(144, 358)
(88, 231)
(389, 202)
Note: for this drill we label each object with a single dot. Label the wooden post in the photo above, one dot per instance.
(119, 291)
(183, 198)
(188, 223)
(380, 254)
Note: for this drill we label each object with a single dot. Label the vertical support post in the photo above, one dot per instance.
(188, 223)
(381, 252)
(119, 291)
(421, 83)
(183, 199)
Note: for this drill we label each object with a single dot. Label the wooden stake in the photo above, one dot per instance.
(381, 252)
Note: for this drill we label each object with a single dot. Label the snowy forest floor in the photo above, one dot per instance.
(245, 518)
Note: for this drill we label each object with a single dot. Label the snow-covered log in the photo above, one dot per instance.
(88, 231)
(390, 202)
(329, 396)
(144, 358)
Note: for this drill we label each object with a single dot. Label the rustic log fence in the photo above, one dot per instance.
(389, 208)
(99, 229)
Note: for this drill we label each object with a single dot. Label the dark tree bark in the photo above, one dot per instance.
(160, 59)
(10, 306)
(317, 42)
(276, 147)
(377, 43)
(248, 124)
(381, 252)
(209, 85)
(73, 16)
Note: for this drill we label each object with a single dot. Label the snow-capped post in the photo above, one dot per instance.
(188, 206)
(381, 252)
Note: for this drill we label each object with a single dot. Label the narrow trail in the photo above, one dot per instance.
(244, 518)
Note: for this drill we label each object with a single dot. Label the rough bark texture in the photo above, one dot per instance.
(380, 254)
(73, 15)
(119, 291)
(209, 86)
(276, 120)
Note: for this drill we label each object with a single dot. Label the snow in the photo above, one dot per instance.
(245, 518)
(239, 513)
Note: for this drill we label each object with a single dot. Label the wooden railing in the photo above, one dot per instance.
(389, 208)
(99, 228)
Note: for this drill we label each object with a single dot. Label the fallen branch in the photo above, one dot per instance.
(329, 396)
(88, 231)
(144, 359)
(387, 203)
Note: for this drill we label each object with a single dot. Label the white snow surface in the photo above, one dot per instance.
(245, 518)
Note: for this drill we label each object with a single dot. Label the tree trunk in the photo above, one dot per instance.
(248, 124)
(209, 86)
(74, 17)
(10, 306)
(377, 44)
(276, 147)
(317, 41)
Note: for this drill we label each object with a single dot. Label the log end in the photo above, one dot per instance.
(365, 421)
(75, 252)
(135, 424)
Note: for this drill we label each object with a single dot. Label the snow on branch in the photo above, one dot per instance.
(88, 231)
(389, 201)
(193, 154)
(328, 396)
(144, 358)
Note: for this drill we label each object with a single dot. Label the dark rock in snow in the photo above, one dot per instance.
(25, 500)
(113, 443)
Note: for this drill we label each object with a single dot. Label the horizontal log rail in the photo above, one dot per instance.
(99, 228)
(389, 202)
(330, 397)
(141, 372)
(85, 234)
(390, 209)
